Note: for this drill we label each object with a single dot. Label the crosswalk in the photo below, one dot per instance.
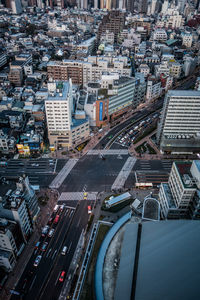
(74, 196)
(108, 152)
(123, 174)
(167, 164)
(58, 180)
(145, 165)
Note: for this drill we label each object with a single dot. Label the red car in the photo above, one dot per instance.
(89, 209)
(56, 219)
(62, 276)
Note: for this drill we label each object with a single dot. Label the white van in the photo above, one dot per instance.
(64, 250)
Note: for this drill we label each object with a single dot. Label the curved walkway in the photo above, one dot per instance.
(102, 253)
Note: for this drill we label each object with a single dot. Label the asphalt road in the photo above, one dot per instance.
(93, 174)
(30, 285)
(143, 113)
(40, 171)
(53, 287)
(43, 282)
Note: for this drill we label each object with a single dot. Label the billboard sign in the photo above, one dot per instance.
(101, 111)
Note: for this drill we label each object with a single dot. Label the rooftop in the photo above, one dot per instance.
(182, 93)
(58, 93)
(184, 171)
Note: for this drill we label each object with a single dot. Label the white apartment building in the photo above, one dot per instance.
(179, 127)
(153, 89)
(175, 20)
(14, 207)
(10, 237)
(177, 195)
(162, 69)
(159, 35)
(90, 70)
(187, 39)
(144, 69)
(164, 7)
(107, 37)
(175, 69)
(63, 130)
(58, 107)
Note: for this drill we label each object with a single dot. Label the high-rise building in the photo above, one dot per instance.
(179, 198)
(63, 130)
(113, 21)
(179, 127)
(16, 7)
(153, 6)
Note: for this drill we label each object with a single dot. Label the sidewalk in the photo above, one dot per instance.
(19, 268)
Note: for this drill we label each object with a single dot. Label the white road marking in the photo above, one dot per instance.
(54, 254)
(57, 278)
(69, 247)
(55, 166)
(49, 252)
(32, 283)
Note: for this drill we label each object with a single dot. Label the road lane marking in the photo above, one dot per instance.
(69, 247)
(78, 222)
(57, 278)
(66, 212)
(54, 254)
(32, 283)
(48, 252)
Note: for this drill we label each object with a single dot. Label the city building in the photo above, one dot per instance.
(160, 35)
(153, 89)
(179, 127)
(3, 59)
(11, 238)
(175, 69)
(63, 129)
(90, 70)
(16, 6)
(187, 39)
(179, 198)
(117, 95)
(113, 22)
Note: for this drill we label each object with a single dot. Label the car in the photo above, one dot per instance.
(62, 276)
(37, 245)
(85, 196)
(37, 260)
(62, 207)
(44, 246)
(55, 221)
(51, 232)
(35, 165)
(45, 230)
(89, 209)
(64, 250)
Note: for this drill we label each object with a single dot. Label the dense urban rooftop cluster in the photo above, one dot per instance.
(69, 69)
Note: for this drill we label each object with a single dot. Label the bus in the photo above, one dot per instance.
(56, 219)
(143, 185)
